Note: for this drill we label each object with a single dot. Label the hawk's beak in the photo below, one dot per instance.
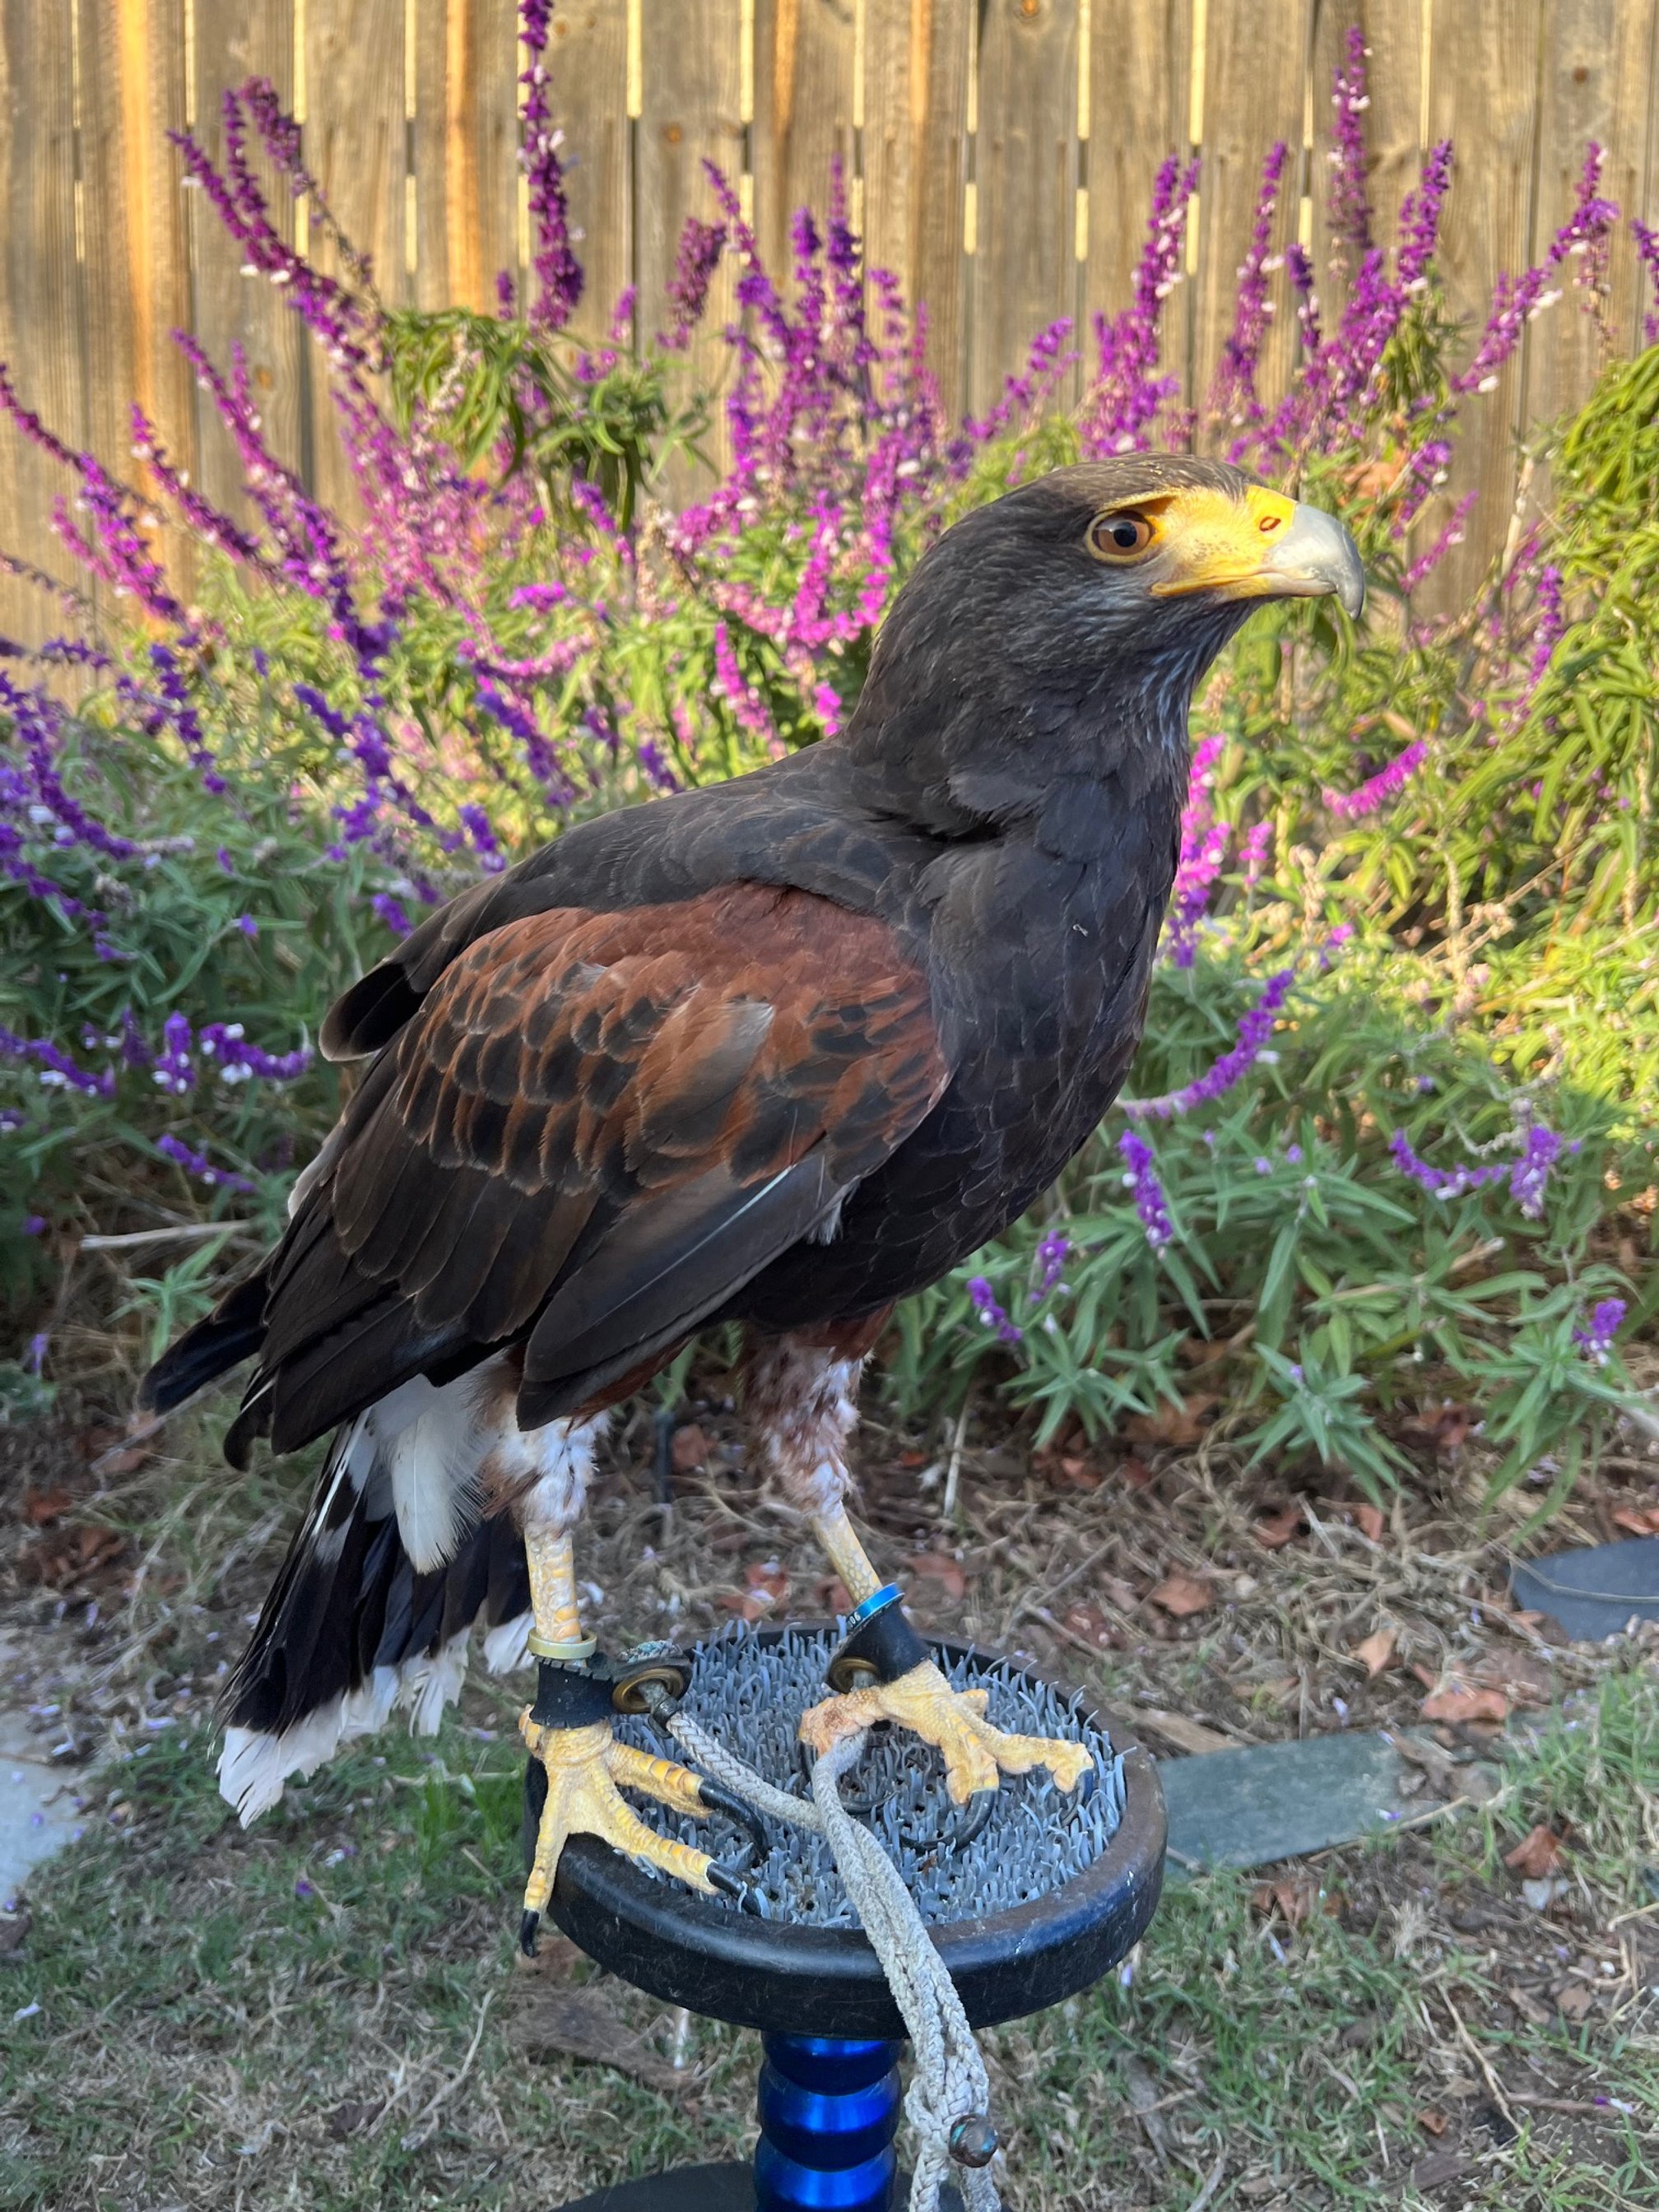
(1315, 556)
(1262, 547)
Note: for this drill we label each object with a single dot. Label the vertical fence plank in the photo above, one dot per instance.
(1140, 97)
(1482, 95)
(1597, 84)
(232, 45)
(136, 266)
(915, 140)
(40, 296)
(1026, 166)
(691, 85)
(357, 147)
(588, 56)
(804, 58)
(1395, 61)
(1255, 63)
(467, 61)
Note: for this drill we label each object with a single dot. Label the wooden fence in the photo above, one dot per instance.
(999, 155)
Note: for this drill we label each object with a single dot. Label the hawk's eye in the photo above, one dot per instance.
(1120, 538)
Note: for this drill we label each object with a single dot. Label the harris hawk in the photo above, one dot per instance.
(778, 1051)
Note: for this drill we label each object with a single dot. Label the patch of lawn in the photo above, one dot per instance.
(326, 2011)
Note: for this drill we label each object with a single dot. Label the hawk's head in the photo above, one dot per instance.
(1071, 618)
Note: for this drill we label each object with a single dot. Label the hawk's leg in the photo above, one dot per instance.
(801, 1396)
(568, 1730)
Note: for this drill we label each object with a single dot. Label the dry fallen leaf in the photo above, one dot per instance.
(1453, 1705)
(1295, 1898)
(1274, 1530)
(1135, 1472)
(1368, 1519)
(690, 1449)
(1377, 1651)
(1190, 1736)
(1537, 1856)
(1433, 2120)
(1078, 1474)
(580, 2024)
(768, 1581)
(1180, 1594)
(1575, 2000)
(1639, 1520)
(1173, 1425)
(42, 1506)
(938, 1567)
(1089, 1623)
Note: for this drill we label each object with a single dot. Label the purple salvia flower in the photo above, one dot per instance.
(1141, 1179)
(1377, 790)
(1452, 535)
(1647, 247)
(57, 1071)
(746, 703)
(1529, 1178)
(1127, 396)
(197, 1164)
(34, 1359)
(392, 913)
(1256, 852)
(1051, 1256)
(1234, 396)
(172, 1068)
(1442, 1183)
(238, 1061)
(700, 246)
(1595, 1339)
(1347, 206)
(991, 1314)
(1419, 219)
(1202, 852)
(1254, 1028)
(1551, 623)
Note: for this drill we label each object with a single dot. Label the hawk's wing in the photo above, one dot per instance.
(589, 1132)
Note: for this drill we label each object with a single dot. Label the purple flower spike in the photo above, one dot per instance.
(1647, 247)
(1530, 1176)
(1141, 1181)
(1377, 790)
(1349, 208)
(1595, 1339)
(558, 272)
(1051, 1255)
(1254, 1028)
(991, 1314)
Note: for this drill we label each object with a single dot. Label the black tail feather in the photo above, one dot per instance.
(348, 1601)
(232, 1333)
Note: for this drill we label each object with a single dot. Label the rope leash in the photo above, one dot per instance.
(949, 2096)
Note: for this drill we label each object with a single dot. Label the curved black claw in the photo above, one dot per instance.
(732, 1883)
(529, 1924)
(852, 1801)
(960, 1832)
(719, 1800)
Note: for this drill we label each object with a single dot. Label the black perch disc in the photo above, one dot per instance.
(829, 2090)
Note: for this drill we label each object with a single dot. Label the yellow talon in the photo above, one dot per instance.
(586, 1770)
(976, 1755)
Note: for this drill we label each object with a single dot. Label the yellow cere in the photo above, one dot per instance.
(1212, 541)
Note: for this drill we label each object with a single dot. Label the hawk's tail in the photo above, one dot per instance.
(232, 1333)
(352, 1630)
